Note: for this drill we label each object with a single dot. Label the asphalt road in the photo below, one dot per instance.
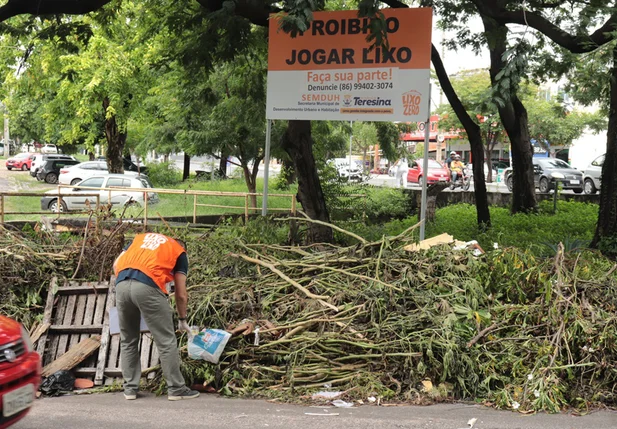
(110, 410)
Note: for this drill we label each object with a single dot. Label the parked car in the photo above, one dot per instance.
(49, 148)
(21, 161)
(40, 157)
(353, 173)
(592, 175)
(20, 372)
(129, 165)
(73, 199)
(469, 171)
(436, 172)
(74, 174)
(548, 171)
(50, 169)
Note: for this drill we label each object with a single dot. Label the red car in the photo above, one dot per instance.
(22, 161)
(436, 172)
(20, 372)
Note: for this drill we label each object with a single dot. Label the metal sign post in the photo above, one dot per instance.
(427, 130)
(264, 202)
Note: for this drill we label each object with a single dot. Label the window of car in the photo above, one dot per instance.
(598, 162)
(93, 182)
(64, 163)
(101, 166)
(552, 163)
(119, 182)
(145, 182)
(22, 156)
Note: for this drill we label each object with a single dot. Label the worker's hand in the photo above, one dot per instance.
(183, 326)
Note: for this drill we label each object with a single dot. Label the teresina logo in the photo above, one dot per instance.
(359, 101)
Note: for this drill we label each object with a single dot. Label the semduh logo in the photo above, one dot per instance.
(411, 103)
(347, 100)
(371, 101)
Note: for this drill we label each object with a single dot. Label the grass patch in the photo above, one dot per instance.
(169, 205)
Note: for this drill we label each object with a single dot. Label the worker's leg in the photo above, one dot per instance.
(129, 318)
(157, 313)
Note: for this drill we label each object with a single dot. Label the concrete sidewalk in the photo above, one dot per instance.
(111, 410)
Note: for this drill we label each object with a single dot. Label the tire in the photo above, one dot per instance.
(51, 178)
(589, 187)
(467, 184)
(509, 183)
(75, 182)
(578, 191)
(544, 187)
(9, 168)
(24, 167)
(53, 204)
(420, 181)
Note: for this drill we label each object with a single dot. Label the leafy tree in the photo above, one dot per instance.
(364, 137)
(94, 84)
(567, 27)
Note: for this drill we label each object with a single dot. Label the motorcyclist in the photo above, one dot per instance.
(450, 158)
(456, 167)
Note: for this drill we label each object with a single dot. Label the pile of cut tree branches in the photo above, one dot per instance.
(374, 319)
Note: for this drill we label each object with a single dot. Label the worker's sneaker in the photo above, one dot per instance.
(130, 395)
(185, 393)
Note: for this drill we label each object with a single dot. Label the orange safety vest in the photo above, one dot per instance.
(155, 255)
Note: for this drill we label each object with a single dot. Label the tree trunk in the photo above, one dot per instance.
(90, 156)
(223, 166)
(186, 171)
(115, 141)
(514, 119)
(250, 178)
(475, 140)
(606, 228)
(298, 143)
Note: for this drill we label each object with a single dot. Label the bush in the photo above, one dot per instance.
(573, 224)
(164, 174)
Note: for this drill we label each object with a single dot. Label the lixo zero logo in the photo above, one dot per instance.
(153, 241)
(411, 103)
(347, 99)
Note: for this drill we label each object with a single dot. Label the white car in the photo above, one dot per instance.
(73, 198)
(76, 173)
(49, 148)
(593, 175)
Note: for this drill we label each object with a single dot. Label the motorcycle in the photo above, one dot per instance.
(462, 181)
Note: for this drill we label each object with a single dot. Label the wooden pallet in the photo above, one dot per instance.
(75, 311)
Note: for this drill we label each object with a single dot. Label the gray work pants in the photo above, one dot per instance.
(135, 299)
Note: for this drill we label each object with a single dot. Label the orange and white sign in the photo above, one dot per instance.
(330, 72)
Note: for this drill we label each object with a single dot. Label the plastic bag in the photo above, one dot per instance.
(208, 345)
(58, 383)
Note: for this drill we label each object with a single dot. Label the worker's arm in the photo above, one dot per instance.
(181, 294)
(116, 262)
